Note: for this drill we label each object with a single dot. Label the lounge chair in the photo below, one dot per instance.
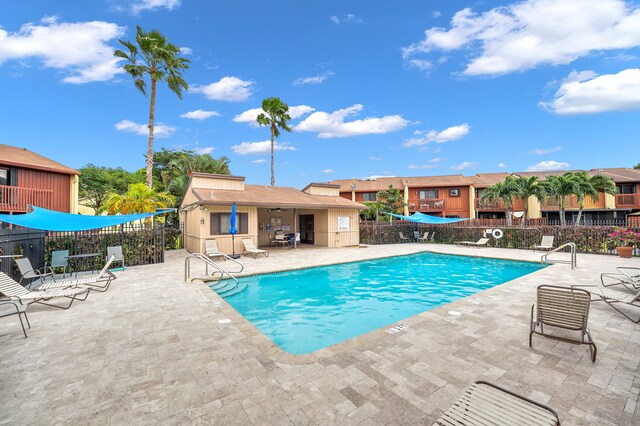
(14, 291)
(117, 252)
(484, 403)
(545, 244)
(626, 276)
(250, 248)
(212, 251)
(424, 238)
(611, 297)
(402, 237)
(99, 282)
(562, 307)
(20, 310)
(416, 235)
(481, 242)
(59, 260)
(28, 273)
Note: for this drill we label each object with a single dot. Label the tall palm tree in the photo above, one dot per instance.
(560, 187)
(591, 186)
(275, 115)
(506, 192)
(158, 59)
(529, 187)
(138, 199)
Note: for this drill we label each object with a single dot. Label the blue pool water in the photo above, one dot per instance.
(309, 309)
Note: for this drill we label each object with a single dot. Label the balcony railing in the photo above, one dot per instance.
(497, 205)
(629, 201)
(14, 199)
(427, 204)
(571, 202)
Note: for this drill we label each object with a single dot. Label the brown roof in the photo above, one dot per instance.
(484, 180)
(22, 157)
(369, 185)
(438, 181)
(272, 196)
(619, 174)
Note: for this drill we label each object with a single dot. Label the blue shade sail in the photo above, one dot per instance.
(425, 218)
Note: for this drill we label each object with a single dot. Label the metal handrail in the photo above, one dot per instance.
(208, 262)
(544, 259)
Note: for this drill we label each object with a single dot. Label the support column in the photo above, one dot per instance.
(472, 202)
(406, 199)
(534, 208)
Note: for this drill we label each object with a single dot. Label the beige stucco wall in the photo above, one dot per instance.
(609, 201)
(73, 193)
(534, 208)
(405, 199)
(323, 190)
(472, 202)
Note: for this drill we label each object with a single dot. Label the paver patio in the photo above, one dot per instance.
(151, 351)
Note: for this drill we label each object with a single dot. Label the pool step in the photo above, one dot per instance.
(233, 290)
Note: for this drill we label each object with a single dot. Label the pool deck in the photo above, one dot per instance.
(151, 350)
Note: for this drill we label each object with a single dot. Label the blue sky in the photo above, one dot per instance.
(377, 88)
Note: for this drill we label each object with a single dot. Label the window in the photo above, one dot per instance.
(220, 223)
(453, 216)
(627, 188)
(4, 177)
(454, 192)
(428, 193)
(368, 196)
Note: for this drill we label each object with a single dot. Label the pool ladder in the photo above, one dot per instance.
(220, 280)
(574, 259)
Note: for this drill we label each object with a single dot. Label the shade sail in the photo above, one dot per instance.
(49, 220)
(425, 218)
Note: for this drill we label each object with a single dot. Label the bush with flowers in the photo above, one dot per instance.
(623, 237)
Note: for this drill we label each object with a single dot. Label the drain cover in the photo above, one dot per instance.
(218, 304)
(396, 329)
(224, 321)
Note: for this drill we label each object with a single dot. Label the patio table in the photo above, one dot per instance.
(76, 258)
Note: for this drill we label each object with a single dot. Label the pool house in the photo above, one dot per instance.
(317, 212)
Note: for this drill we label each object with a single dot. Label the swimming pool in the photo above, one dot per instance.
(309, 309)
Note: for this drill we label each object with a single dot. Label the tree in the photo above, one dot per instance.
(591, 186)
(175, 175)
(637, 166)
(159, 60)
(529, 187)
(506, 192)
(559, 187)
(96, 183)
(275, 115)
(138, 199)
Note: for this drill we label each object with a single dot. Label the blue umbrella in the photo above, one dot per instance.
(233, 230)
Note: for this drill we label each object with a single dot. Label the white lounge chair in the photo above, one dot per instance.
(402, 237)
(14, 291)
(481, 242)
(626, 276)
(99, 282)
(212, 251)
(250, 248)
(28, 273)
(545, 244)
(612, 297)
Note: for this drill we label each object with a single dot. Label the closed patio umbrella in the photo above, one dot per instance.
(233, 230)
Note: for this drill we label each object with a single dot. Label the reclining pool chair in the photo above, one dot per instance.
(402, 237)
(14, 291)
(99, 282)
(615, 298)
(250, 248)
(212, 251)
(484, 403)
(562, 307)
(626, 276)
(20, 310)
(480, 243)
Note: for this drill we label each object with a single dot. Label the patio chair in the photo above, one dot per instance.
(481, 242)
(424, 238)
(99, 282)
(612, 297)
(402, 237)
(484, 403)
(545, 244)
(281, 240)
(28, 273)
(59, 260)
(626, 276)
(212, 251)
(566, 308)
(416, 235)
(20, 310)
(117, 252)
(250, 248)
(295, 239)
(14, 291)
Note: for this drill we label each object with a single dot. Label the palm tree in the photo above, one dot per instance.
(159, 60)
(275, 115)
(559, 187)
(138, 199)
(506, 192)
(529, 187)
(591, 186)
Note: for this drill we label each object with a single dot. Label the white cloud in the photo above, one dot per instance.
(421, 64)
(79, 49)
(502, 165)
(436, 160)
(540, 151)
(586, 93)
(464, 165)
(447, 135)
(259, 161)
(546, 166)
(186, 50)
(372, 158)
(159, 130)
(529, 33)
(436, 13)
(249, 116)
(349, 18)
(422, 166)
(328, 171)
(204, 150)
(374, 177)
(228, 89)
(200, 114)
(141, 5)
(257, 148)
(332, 125)
(317, 79)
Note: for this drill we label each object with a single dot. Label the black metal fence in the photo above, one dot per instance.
(588, 239)
(20, 242)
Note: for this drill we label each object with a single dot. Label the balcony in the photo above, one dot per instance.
(14, 199)
(571, 203)
(427, 205)
(628, 201)
(496, 205)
